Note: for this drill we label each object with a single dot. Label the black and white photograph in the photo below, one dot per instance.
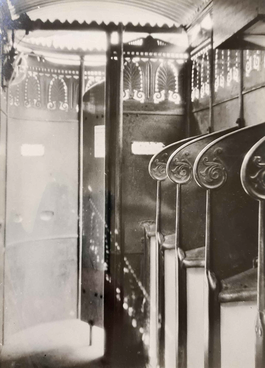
(132, 183)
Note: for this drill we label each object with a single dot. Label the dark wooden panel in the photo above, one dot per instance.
(233, 227)
(192, 197)
(139, 189)
(254, 109)
(226, 114)
(236, 13)
(200, 122)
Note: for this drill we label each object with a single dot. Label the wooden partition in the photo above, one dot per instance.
(189, 246)
(164, 226)
(252, 177)
(231, 229)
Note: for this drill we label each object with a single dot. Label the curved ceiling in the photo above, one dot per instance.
(180, 12)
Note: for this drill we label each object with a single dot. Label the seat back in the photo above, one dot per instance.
(253, 181)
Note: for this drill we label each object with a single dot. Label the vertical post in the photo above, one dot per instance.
(207, 343)
(157, 278)
(188, 98)
(212, 358)
(211, 82)
(241, 87)
(260, 323)
(109, 294)
(118, 233)
(80, 193)
(113, 312)
(180, 294)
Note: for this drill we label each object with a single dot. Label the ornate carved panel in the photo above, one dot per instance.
(93, 78)
(159, 166)
(166, 83)
(32, 91)
(133, 81)
(211, 171)
(180, 168)
(14, 99)
(58, 98)
(253, 171)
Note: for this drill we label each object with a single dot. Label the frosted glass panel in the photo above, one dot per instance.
(238, 335)
(195, 323)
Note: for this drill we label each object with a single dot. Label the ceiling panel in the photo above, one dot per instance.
(178, 12)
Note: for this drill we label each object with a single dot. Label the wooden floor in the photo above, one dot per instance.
(62, 344)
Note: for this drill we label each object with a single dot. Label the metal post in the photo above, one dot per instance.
(241, 87)
(212, 348)
(260, 323)
(118, 233)
(108, 292)
(80, 194)
(158, 276)
(180, 294)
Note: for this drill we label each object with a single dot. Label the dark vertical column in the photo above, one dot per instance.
(80, 192)
(211, 82)
(158, 286)
(109, 294)
(114, 245)
(188, 98)
(119, 231)
(240, 121)
(181, 293)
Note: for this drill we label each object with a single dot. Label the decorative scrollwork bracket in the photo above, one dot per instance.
(180, 168)
(158, 168)
(211, 171)
(253, 171)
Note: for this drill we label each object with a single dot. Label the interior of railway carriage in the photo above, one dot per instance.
(132, 158)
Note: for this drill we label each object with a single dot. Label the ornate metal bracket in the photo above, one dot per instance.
(179, 168)
(157, 167)
(210, 171)
(253, 171)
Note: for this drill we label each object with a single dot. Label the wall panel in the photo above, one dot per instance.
(200, 122)
(42, 198)
(225, 114)
(138, 187)
(41, 235)
(41, 279)
(3, 130)
(254, 108)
